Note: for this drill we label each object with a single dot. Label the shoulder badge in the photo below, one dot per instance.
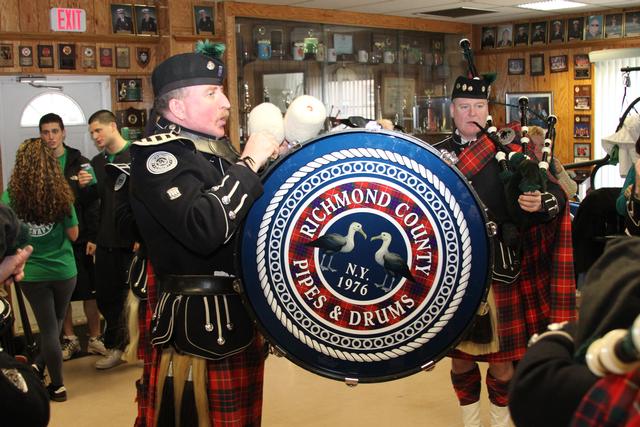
(161, 162)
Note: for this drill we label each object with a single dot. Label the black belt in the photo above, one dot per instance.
(195, 285)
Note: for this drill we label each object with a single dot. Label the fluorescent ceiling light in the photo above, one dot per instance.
(552, 5)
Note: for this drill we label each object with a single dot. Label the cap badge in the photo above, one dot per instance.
(464, 86)
(210, 65)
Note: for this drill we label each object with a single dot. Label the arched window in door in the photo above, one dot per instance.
(52, 102)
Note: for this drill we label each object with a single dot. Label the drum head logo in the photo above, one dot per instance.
(358, 259)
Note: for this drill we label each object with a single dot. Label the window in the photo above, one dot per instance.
(52, 102)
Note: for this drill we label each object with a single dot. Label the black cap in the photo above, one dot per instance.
(475, 88)
(187, 69)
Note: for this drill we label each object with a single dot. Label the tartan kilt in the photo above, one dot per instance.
(544, 293)
(145, 350)
(234, 387)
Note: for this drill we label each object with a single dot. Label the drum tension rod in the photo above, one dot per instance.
(351, 382)
(429, 366)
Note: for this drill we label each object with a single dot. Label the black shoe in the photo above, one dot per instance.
(39, 372)
(57, 393)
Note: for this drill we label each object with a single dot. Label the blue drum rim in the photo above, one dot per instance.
(376, 371)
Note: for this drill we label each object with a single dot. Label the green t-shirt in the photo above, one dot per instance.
(63, 160)
(52, 257)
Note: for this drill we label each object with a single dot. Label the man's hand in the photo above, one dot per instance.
(91, 249)
(530, 201)
(261, 147)
(84, 178)
(12, 266)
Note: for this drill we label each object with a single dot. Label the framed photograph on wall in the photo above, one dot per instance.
(558, 64)
(6, 55)
(557, 31)
(146, 20)
(122, 18)
(582, 97)
(593, 29)
(536, 64)
(582, 126)
(581, 67)
(204, 19)
(632, 24)
(396, 91)
(505, 36)
(515, 66)
(582, 151)
(488, 38)
(521, 34)
(540, 106)
(538, 33)
(576, 28)
(129, 90)
(613, 26)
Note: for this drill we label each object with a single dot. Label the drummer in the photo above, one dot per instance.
(190, 191)
(532, 282)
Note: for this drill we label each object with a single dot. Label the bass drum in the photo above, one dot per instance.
(367, 256)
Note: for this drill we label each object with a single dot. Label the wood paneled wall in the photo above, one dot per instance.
(561, 85)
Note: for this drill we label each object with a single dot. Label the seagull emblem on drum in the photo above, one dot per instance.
(333, 243)
(393, 264)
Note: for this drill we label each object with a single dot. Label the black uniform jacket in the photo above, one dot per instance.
(86, 203)
(108, 237)
(188, 210)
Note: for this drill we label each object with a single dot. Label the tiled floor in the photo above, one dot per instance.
(293, 397)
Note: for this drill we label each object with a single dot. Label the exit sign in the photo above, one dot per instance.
(66, 19)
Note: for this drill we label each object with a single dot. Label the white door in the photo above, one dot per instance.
(90, 94)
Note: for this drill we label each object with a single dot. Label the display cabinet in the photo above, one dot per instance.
(356, 70)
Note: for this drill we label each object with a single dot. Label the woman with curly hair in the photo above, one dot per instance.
(41, 197)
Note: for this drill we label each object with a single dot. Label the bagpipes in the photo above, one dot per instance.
(617, 352)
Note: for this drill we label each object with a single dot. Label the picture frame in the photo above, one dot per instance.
(395, 92)
(106, 57)
(521, 34)
(146, 20)
(538, 33)
(581, 66)
(122, 19)
(558, 64)
(582, 97)
(204, 19)
(582, 150)
(582, 126)
(557, 31)
(505, 36)
(89, 54)
(613, 26)
(123, 57)
(129, 90)
(45, 56)
(536, 64)
(6, 55)
(488, 38)
(632, 23)
(575, 29)
(540, 106)
(343, 43)
(515, 66)
(593, 29)
(67, 56)
(25, 56)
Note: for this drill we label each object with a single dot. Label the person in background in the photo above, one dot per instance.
(594, 30)
(532, 282)
(537, 136)
(190, 191)
(41, 197)
(71, 161)
(113, 252)
(205, 24)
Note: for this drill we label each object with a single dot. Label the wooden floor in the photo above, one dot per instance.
(292, 397)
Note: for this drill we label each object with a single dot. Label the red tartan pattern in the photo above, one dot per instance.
(467, 385)
(145, 311)
(541, 295)
(614, 401)
(498, 390)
